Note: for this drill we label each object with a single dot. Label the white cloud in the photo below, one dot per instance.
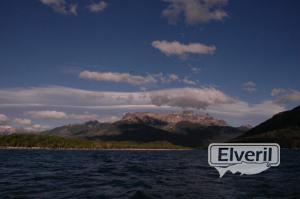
(138, 80)
(35, 128)
(97, 7)
(242, 112)
(173, 77)
(3, 119)
(118, 77)
(278, 91)
(286, 96)
(23, 122)
(179, 49)
(61, 6)
(73, 9)
(58, 115)
(244, 109)
(195, 11)
(195, 70)
(160, 77)
(26, 125)
(199, 98)
(249, 86)
(6, 129)
(188, 81)
(109, 119)
(47, 115)
(83, 117)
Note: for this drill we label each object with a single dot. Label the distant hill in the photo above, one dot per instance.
(26, 140)
(282, 128)
(184, 129)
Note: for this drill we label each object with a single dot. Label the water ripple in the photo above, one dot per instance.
(137, 174)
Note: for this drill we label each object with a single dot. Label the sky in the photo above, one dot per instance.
(70, 61)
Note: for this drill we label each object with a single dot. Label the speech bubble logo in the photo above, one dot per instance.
(243, 158)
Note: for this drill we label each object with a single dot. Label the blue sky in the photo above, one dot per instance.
(235, 52)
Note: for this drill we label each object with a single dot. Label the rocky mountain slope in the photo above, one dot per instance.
(282, 128)
(173, 118)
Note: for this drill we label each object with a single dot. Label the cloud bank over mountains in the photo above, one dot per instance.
(198, 98)
(208, 99)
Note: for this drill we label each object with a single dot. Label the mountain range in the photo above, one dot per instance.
(163, 130)
(188, 129)
(184, 129)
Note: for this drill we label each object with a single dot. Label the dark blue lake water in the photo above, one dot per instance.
(138, 174)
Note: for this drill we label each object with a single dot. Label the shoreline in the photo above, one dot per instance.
(91, 149)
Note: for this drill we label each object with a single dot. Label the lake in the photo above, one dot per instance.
(138, 174)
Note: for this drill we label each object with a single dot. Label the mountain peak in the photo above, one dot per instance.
(172, 118)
